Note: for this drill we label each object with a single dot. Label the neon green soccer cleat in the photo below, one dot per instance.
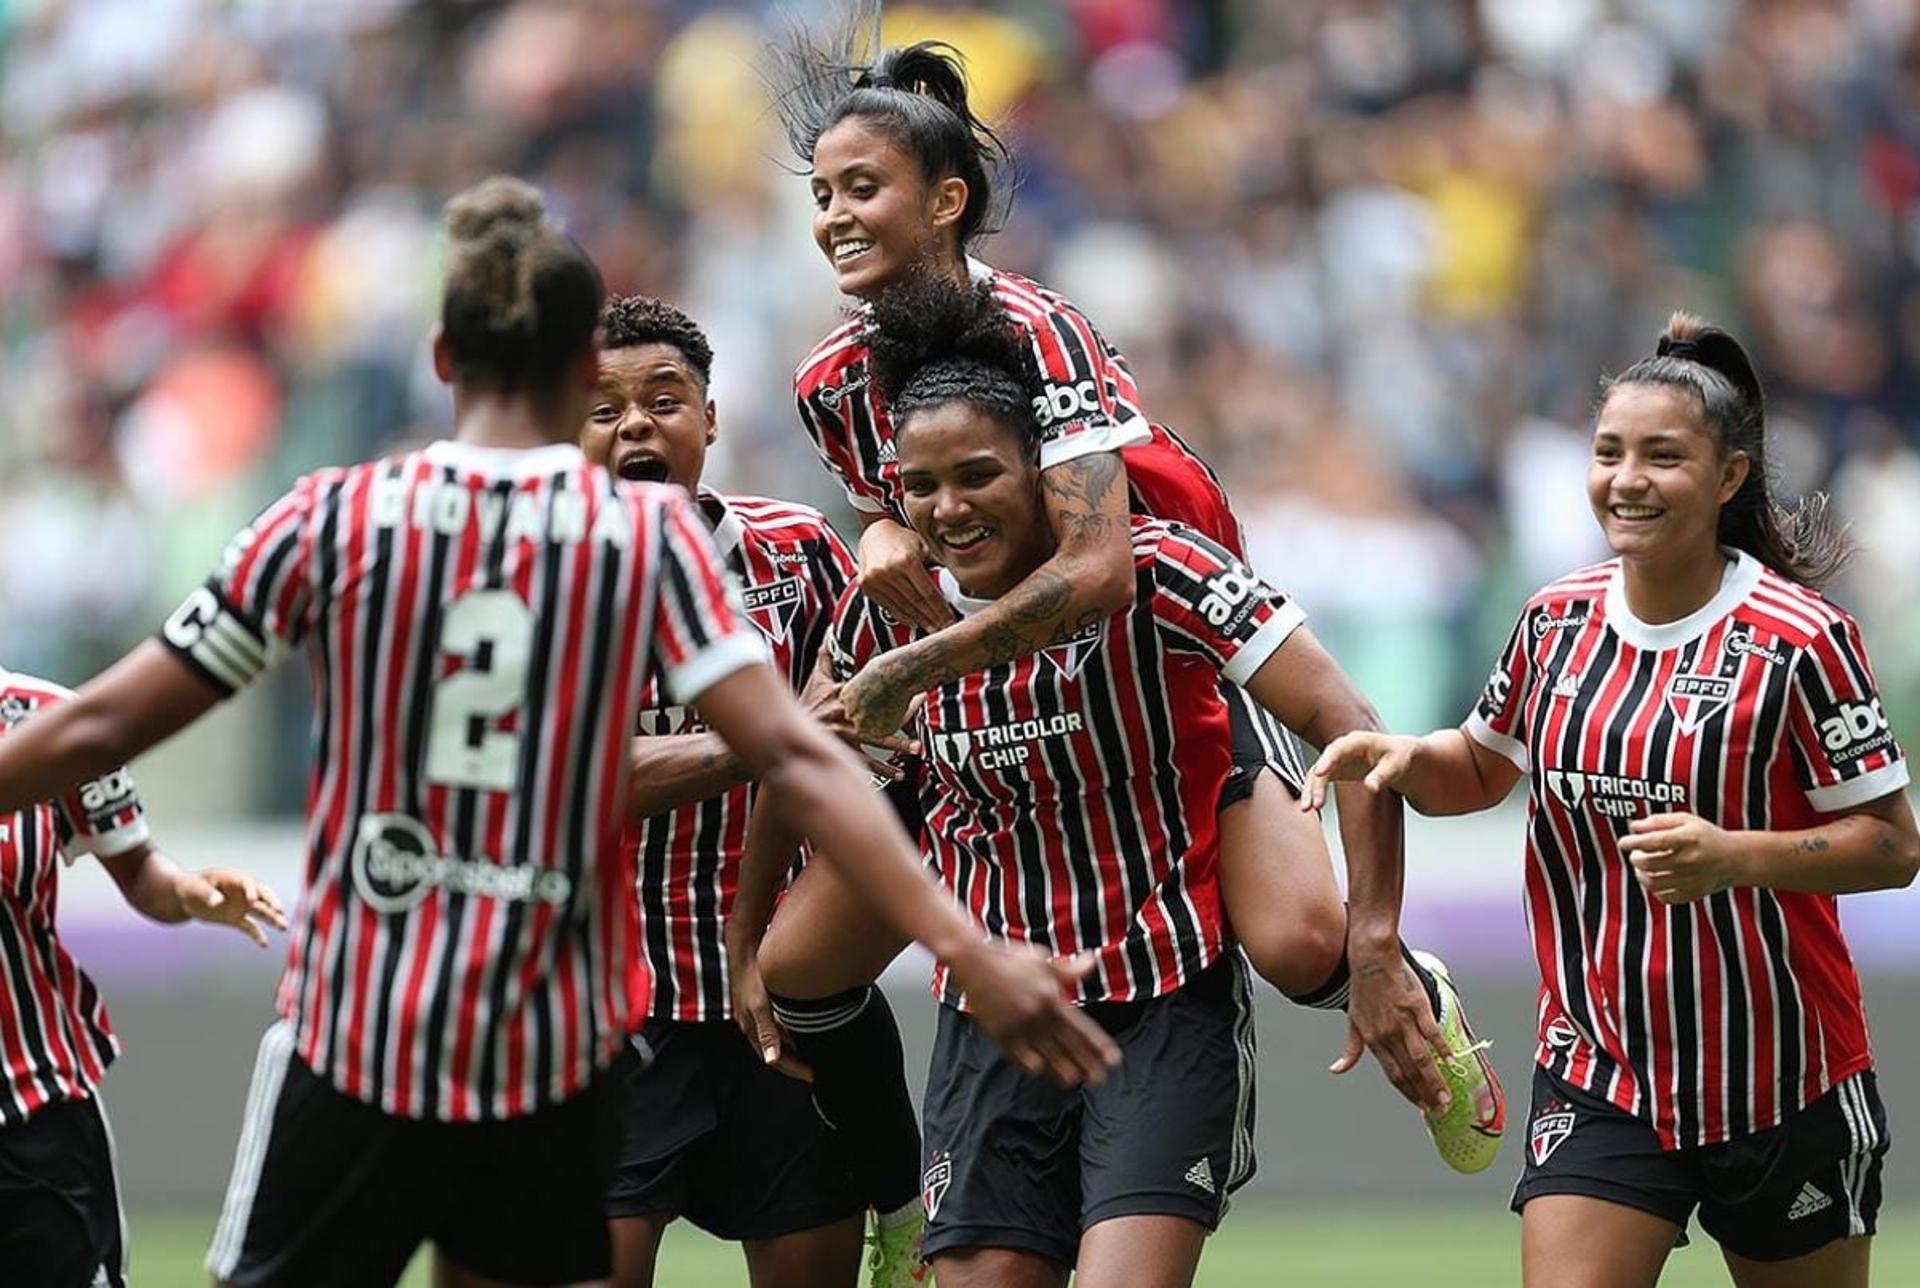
(1467, 1135)
(893, 1257)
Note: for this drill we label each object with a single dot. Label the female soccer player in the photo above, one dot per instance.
(481, 618)
(901, 177)
(1070, 804)
(1707, 766)
(708, 1130)
(60, 1218)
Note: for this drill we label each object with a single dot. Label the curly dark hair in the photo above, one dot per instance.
(630, 320)
(933, 341)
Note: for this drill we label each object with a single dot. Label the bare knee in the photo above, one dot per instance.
(1276, 876)
(997, 1268)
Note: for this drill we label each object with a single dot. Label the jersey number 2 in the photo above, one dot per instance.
(491, 632)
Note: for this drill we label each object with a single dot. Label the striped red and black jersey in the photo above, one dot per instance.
(1070, 795)
(791, 568)
(1759, 712)
(55, 1038)
(480, 624)
(1088, 403)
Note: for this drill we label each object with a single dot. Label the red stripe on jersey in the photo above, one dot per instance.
(1715, 1019)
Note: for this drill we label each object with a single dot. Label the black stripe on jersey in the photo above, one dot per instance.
(1076, 827)
(1014, 794)
(1155, 713)
(326, 700)
(510, 928)
(1637, 1015)
(419, 688)
(379, 609)
(1102, 702)
(1569, 917)
(1683, 981)
(1786, 998)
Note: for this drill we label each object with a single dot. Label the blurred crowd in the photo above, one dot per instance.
(1371, 256)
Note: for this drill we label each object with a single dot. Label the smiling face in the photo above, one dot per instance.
(650, 417)
(1658, 479)
(875, 214)
(973, 494)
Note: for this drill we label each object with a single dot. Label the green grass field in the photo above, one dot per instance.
(1355, 1247)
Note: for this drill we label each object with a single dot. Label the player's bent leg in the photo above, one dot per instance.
(60, 1219)
(636, 1247)
(997, 1268)
(1575, 1241)
(1276, 878)
(1844, 1263)
(825, 938)
(1140, 1252)
(825, 1257)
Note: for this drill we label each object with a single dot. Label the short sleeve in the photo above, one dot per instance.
(1497, 718)
(102, 816)
(1208, 602)
(827, 414)
(257, 604)
(1844, 750)
(1088, 401)
(860, 632)
(700, 633)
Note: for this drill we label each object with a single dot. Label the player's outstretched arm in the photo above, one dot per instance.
(142, 700)
(1302, 685)
(1019, 999)
(1445, 772)
(156, 887)
(1088, 578)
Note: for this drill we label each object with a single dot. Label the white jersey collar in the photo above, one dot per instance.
(1737, 581)
(517, 462)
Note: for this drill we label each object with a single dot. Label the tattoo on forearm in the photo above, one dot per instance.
(1087, 479)
(1813, 845)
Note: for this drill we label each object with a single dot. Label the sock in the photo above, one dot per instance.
(860, 1088)
(1332, 995)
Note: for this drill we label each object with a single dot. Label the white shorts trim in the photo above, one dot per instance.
(250, 1156)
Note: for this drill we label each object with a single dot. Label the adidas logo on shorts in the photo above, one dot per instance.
(1201, 1174)
(1807, 1202)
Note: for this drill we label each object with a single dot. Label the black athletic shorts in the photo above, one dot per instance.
(1019, 1162)
(1260, 742)
(711, 1133)
(1771, 1196)
(60, 1220)
(327, 1189)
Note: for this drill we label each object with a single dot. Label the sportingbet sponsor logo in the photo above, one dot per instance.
(1066, 402)
(1857, 729)
(1742, 645)
(1006, 746)
(1544, 623)
(1561, 1035)
(395, 868)
(787, 558)
(833, 395)
(1614, 796)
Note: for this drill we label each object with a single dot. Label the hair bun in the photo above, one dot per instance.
(501, 204)
(1689, 339)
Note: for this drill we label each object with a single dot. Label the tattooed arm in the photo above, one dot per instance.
(1089, 578)
(666, 771)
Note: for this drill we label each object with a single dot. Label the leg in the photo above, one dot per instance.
(997, 1268)
(825, 1257)
(1276, 877)
(820, 957)
(636, 1246)
(59, 1198)
(1841, 1264)
(1140, 1252)
(1573, 1241)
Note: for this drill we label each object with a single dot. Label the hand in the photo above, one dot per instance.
(1388, 1014)
(753, 1012)
(893, 574)
(1678, 858)
(823, 704)
(1379, 760)
(1018, 997)
(231, 899)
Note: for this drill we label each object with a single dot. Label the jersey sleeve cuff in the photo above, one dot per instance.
(714, 663)
(106, 845)
(864, 504)
(1266, 641)
(1493, 740)
(1871, 786)
(1110, 437)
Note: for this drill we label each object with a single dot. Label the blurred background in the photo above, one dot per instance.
(1371, 257)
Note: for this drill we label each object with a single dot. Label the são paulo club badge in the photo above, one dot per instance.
(933, 1185)
(1550, 1130)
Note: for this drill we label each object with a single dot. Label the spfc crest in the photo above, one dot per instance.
(1068, 656)
(771, 605)
(933, 1186)
(1696, 699)
(1550, 1130)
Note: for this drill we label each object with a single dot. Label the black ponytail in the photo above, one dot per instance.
(1800, 541)
(933, 341)
(918, 94)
